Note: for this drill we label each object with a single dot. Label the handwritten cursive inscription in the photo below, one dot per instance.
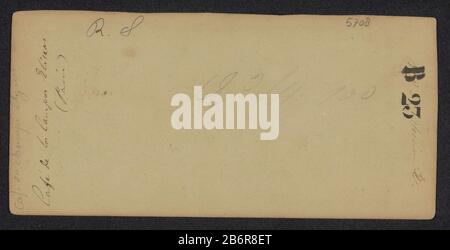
(43, 190)
(42, 120)
(287, 86)
(126, 31)
(44, 166)
(17, 98)
(61, 102)
(43, 187)
(41, 69)
(96, 27)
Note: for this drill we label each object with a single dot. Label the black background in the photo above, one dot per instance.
(437, 9)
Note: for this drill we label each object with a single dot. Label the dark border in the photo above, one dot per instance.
(438, 9)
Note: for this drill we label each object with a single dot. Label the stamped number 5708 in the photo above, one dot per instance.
(353, 22)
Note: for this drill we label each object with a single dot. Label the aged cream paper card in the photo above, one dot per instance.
(128, 114)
